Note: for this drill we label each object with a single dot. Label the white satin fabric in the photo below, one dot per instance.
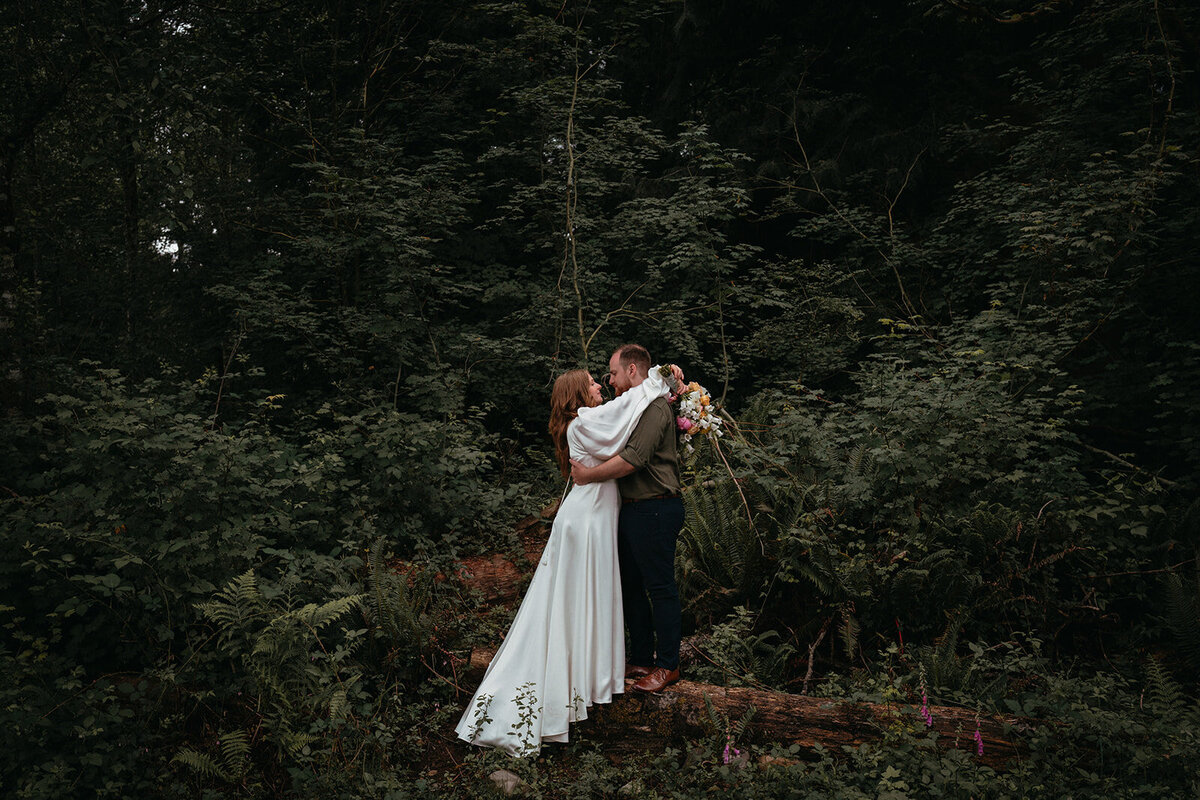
(565, 649)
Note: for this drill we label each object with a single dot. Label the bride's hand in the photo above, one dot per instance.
(677, 374)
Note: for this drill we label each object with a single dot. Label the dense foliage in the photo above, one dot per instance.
(283, 288)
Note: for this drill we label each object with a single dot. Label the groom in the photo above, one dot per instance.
(647, 473)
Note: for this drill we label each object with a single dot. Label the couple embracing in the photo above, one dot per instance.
(609, 564)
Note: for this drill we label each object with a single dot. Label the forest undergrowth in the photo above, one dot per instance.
(283, 290)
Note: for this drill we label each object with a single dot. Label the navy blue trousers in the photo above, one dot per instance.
(646, 534)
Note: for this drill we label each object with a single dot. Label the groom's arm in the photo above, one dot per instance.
(615, 467)
(641, 445)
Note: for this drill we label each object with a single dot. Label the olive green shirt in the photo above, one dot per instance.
(653, 454)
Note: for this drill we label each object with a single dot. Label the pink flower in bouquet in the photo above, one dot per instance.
(683, 423)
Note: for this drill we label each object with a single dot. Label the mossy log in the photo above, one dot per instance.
(638, 722)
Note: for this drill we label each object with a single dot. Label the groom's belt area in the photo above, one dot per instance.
(669, 496)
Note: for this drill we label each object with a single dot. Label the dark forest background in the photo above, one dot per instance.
(283, 287)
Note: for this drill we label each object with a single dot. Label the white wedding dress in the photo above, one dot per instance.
(565, 649)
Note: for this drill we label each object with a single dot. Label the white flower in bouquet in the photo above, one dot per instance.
(697, 415)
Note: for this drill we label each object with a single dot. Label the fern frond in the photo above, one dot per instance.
(400, 604)
(715, 721)
(739, 730)
(317, 616)
(947, 644)
(309, 619)
(849, 633)
(1165, 695)
(295, 741)
(1183, 616)
(787, 508)
(233, 764)
(856, 460)
(942, 663)
(235, 754)
(201, 764)
(337, 704)
(821, 570)
(238, 601)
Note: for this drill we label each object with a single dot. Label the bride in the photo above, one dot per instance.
(565, 649)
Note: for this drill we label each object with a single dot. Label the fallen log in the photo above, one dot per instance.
(637, 722)
(498, 577)
(831, 723)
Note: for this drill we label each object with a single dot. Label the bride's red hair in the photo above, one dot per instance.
(571, 391)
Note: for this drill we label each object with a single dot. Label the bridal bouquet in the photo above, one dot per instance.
(697, 415)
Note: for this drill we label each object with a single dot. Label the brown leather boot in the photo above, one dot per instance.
(635, 671)
(657, 680)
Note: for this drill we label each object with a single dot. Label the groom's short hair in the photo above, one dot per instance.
(634, 354)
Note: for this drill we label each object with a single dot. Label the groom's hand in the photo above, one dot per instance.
(580, 474)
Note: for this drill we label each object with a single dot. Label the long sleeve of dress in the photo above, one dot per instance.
(600, 433)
